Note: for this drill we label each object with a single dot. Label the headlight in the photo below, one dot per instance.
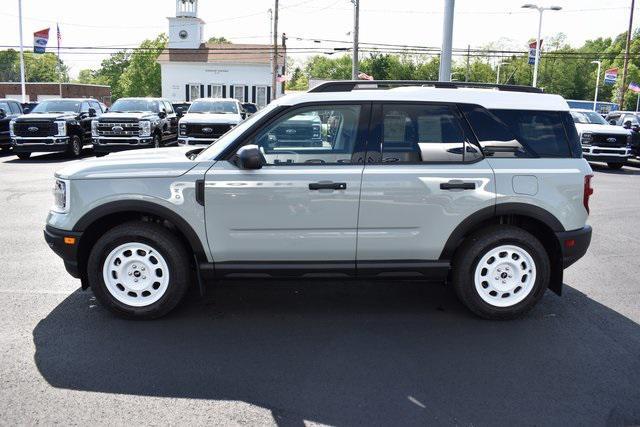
(183, 128)
(61, 196)
(145, 128)
(62, 128)
(11, 126)
(94, 128)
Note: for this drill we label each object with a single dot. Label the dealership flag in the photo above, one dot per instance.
(532, 52)
(40, 39)
(610, 76)
(634, 87)
(364, 76)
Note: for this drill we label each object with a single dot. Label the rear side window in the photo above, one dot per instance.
(541, 132)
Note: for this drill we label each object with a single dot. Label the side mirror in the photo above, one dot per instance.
(249, 157)
(3, 113)
(612, 122)
(243, 115)
(180, 111)
(92, 112)
(162, 114)
(627, 125)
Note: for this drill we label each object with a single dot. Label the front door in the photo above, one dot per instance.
(422, 178)
(301, 208)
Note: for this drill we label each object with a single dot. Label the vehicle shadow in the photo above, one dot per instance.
(627, 169)
(381, 353)
(50, 158)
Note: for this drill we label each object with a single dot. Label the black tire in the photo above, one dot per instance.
(157, 140)
(615, 165)
(23, 156)
(470, 254)
(75, 146)
(163, 242)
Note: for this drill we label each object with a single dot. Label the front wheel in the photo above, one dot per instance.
(139, 270)
(615, 165)
(501, 272)
(75, 146)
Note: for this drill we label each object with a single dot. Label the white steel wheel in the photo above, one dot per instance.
(136, 274)
(505, 276)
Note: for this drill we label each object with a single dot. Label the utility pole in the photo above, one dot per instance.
(22, 84)
(595, 97)
(447, 40)
(466, 75)
(356, 30)
(284, 60)
(270, 12)
(626, 58)
(274, 69)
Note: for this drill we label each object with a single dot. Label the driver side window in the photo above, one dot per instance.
(324, 134)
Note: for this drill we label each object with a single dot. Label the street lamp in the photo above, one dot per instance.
(595, 98)
(540, 9)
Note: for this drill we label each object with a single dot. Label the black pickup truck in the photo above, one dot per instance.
(133, 123)
(9, 110)
(55, 125)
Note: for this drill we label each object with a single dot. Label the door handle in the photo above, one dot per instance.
(328, 185)
(458, 185)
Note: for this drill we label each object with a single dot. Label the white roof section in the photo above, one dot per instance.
(488, 98)
(215, 100)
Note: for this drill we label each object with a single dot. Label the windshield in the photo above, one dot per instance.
(61, 106)
(588, 118)
(134, 106)
(220, 107)
(5, 106)
(212, 151)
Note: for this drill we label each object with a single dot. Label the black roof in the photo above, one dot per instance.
(350, 85)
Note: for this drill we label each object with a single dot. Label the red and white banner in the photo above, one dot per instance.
(40, 40)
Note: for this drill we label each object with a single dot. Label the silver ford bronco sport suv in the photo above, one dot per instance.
(483, 187)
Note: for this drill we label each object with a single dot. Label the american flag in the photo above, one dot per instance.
(59, 35)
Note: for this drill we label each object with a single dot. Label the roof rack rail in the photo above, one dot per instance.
(350, 85)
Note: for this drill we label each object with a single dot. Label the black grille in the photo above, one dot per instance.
(35, 129)
(119, 128)
(294, 132)
(609, 140)
(198, 130)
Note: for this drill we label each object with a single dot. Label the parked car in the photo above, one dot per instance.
(629, 120)
(208, 119)
(9, 110)
(602, 142)
(133, 123)
(486, 189)
(55, 125)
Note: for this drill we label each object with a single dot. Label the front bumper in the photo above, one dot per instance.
(574, 244)
(103, 144)
(596, 153)
(186, 140)
(66, 250)
(49, 144)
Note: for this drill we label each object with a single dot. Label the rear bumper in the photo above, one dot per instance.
(574, 244)
(55, 238)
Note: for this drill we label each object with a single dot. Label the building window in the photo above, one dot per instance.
(216, 91)
(261, 96)
(194, 91)
(238, 92)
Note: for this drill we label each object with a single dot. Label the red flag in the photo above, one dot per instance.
(363, 76)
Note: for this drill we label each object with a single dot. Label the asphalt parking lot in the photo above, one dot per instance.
(382, 353)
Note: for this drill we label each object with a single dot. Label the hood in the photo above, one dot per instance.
(44, 116)
(211, 118)
(608, 129)
(120, 116)
(144, 163)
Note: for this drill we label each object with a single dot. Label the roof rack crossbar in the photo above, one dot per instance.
(350, 85)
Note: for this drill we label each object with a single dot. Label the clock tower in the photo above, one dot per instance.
(186, 29)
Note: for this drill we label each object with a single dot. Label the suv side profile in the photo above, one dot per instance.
(55, 125)
(482, 187)
(134, 123)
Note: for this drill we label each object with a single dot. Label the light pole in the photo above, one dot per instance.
(356, 30)
(447, 40)
(22, 84)
(540, 9)
(595, 98)
(498, 73)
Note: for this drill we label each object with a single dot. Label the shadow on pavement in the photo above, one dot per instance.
(347, 353)
(49, 158)
(627, 169)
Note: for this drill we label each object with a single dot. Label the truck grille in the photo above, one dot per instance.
(603, 139)
(198, 130)
(35, 129)
(291, 132)
(118, 128)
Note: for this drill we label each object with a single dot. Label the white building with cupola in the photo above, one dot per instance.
(192, 68)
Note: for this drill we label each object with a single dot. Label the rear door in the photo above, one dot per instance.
(423, 176)
(302, 205)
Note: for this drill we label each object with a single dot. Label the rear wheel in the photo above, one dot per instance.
(75, 146)
(501, 272)
(615, 165)
(139, 270)
(23, 156)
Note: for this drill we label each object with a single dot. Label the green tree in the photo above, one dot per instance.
(321, 67)
(9, 65)
(141, 77)
(298, 80)
(218, 40)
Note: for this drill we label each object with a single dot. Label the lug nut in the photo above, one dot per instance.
(130, 273)
(144, 277)
(504, 281)
(134, 266)
(142, 268)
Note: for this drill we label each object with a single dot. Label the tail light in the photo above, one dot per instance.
(588, 191)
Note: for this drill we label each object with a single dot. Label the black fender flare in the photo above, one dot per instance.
(471, 222)
(143, 207)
